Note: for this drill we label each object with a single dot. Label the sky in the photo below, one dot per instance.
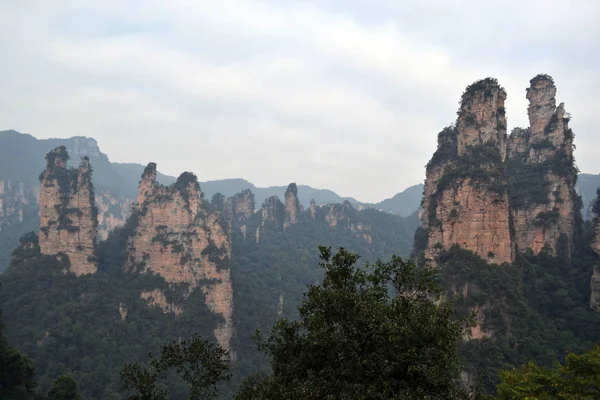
(347, 95)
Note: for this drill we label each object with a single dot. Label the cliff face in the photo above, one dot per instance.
(465, 195)
(112, 212)
(292, 206)
(180, 240)
(544, 202)
(495, 195)
(14, 197)
(273, 212)
(68, 215)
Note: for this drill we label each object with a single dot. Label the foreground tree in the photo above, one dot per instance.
(64, 388)
(199, 363)
(578, 378)
(382, 332)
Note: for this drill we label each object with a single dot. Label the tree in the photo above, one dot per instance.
(16, 372)
(199, 363)
(382, 332)
(578, 378)
(64, 388)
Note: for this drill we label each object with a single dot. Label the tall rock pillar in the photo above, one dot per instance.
(465, 195)
(68, 214)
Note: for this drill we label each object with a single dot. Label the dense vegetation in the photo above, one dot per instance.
(90, 326)
(533, 310)
(382, 332)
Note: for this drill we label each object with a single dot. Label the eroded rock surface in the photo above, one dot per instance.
(68, 214)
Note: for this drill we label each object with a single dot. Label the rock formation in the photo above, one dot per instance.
(273, 212)
(68, 214)
(112, 212)
(180, 240)
(495, 195)
(465, 195)
(338, 214)
(544, 203)
(242, 205)
(15, 197)
(292, 206)
(313, 209)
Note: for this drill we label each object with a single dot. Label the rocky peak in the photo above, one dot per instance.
(542, 103)
(147, 183)
(543, 174)
(68, 214)
(465, 194)
(273, 211)
(57, 158)
(242, 205)
(180, 239)
(292, 206)
(481, 117)
(338, 214)
(83, 146)
(313, 208)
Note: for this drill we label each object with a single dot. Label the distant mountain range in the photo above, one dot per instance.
(22, 155)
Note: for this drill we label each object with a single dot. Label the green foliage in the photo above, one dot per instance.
(185, 182)
(578, 378)
(70, 324)
(447, 149)
(533, 310)
(64, 388)
(59, 153)
(16, 373)
(547, 218)
(356, 339)
(541, 77)
(199, 363)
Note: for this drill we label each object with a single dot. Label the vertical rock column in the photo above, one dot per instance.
(68, 215)
(543, 198)
(466, 198)
(180, 240)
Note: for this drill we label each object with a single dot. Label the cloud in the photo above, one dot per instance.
(341, 95)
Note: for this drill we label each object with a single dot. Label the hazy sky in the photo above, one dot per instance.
(338, 94)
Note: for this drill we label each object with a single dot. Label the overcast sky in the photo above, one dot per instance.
(338, 94)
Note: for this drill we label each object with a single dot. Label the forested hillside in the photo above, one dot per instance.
(90, 325)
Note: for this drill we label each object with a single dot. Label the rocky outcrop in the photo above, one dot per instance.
(113, 211)
(338, 214)
(292, 206)
(544, 203)
(465, 195)
(178, 238)
(15, 199)
(68, 214)
(242, 205)
(495, 195)
(313, 209)
(273, 212)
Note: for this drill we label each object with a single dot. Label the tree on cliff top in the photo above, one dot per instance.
(357, 339)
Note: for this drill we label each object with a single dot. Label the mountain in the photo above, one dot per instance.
(502, 223)
(180, 264)
(404, 203)
(22, 157)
